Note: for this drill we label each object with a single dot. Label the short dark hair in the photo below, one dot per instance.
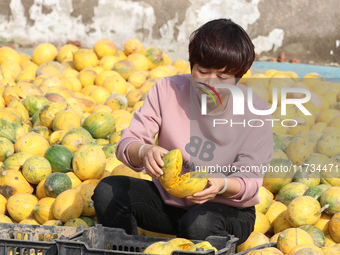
(222, 43)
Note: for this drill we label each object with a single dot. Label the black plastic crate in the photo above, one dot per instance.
(101, 240)
(266, 245)
(31, 239)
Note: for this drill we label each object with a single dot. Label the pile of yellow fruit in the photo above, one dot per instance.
(61, 114)
(62, 111)
(300, 209)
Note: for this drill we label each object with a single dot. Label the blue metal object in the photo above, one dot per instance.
(328, 72)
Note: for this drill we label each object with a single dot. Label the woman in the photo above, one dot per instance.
(220, 52)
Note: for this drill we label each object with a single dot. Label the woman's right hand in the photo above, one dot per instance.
(152, 155)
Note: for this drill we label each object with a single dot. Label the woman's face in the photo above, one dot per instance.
(211, 77)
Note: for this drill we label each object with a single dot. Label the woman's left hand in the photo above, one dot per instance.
(214, 185)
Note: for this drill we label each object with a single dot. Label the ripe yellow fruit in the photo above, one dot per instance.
(10, 93)
(298, 150)
(115, 84)
(262, 223)
(83, 58)
(86, 191)
(330, 250)
(97, 69)
(306, 249)
(121, 55)
(140, 61)
(274, 238)
(303, 210)
(24, 58)
(154, 56)
(72, 83)
(167, 59)
(74, 179)
(335, 122)
(93, 182)
(76, 222)
(111, 163)
(116, 102)
(130, 87)
(40, 190)
(137, 105)
(183, 243)
(133, 46)
(101, 108)
(122, 123)
(43, 210)
(205, 245)
(89, 162)
(253, 240)
(67, 205)
(122, 169)
(56, 137)
(328, 144)
(323, 223)
(87, 77)
(7, 53)
(281, 223)
(74, 141)
(160, 247)
(108, 62)
(13, 67)
(29, 221)
(5, 219)
(181, 64)
(53, 223)
(125, 68)
(66, 119)
(32, 143)
(134, 96)
(99, 95)
(3, 202)
(66, 52)
(274, 210)
(327, 115)
(36, 169)
(5, 74)
(44, 52)
(2, 103)
(20, 206)
(103, 75)
(334, 227)
(16, 104)
(137, 78)
(292, 237)
(180, 185)
(88, 89)
(105, 48)
(329, 241)
(48, 111)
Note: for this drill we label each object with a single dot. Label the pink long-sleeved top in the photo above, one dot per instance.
(239, 148)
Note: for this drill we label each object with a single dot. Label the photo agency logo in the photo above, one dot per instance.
(240, 101)
(205, 98)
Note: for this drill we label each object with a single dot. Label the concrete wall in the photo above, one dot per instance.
(305, 29)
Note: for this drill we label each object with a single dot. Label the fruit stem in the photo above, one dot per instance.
(323, 208)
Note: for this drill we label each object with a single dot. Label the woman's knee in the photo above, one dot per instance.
(109, 189)
(198, 224)
(213, 219)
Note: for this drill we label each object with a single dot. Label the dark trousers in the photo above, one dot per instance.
(126, 202)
